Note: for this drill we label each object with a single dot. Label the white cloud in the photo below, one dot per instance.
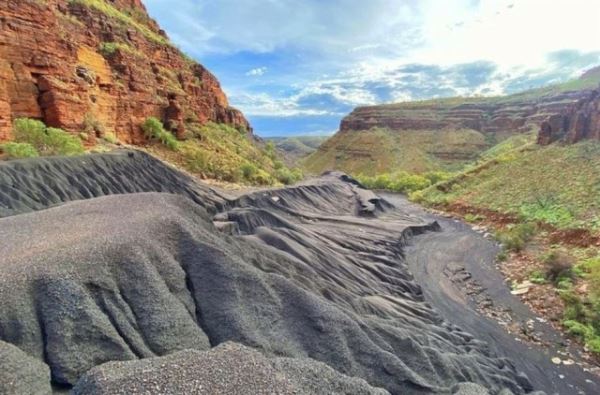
(262, 104)
(368, 47)
(257, 72)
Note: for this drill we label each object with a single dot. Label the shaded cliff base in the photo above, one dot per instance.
(315, 270)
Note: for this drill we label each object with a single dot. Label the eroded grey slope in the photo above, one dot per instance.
(311, 271)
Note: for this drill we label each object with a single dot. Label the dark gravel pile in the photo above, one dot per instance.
(314, 271)
(21, 373)
(35, 184)
(229, 368)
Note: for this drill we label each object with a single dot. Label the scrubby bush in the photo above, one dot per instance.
(30, 131)
(46, 141)
(248, 171)
(474, 217)
(405, 183)
(437, 176)
(559, 267)
(401, 182)
(154, 129)
(287, 176)
(60, 142)
(514, 237)
(110, 138)
(92, 126)
(18, 150)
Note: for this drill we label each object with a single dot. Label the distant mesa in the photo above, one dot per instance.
(449, 133)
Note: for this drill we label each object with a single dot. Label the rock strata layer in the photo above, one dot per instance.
(580, 121)
(101, 65)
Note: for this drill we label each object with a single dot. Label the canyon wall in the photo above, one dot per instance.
(577, 122)
(447, 134)
(512, 114)
(104, 65)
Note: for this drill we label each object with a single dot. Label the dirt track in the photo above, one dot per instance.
(456, 269)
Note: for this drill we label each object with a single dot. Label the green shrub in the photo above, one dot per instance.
(474, 218)
(537, 277)
(60, 142)
(549, 210)
(154, 129)
(406, 183)
(30, 131)
(110, 138)
(401, 182)
(47, 141)
(262, 178)
(586, 332)
(248, 171)
(559, 267)
(590, 269)
(287, 176)
(18, 150)
(196, 160)
(417, 196)
(514, 237)
(578, 329)
(437, 176)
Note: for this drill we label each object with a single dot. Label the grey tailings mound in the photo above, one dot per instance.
(229, 368)
(312, 271)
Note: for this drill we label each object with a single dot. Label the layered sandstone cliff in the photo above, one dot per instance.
(76, 62)
(577, 122)
(518, 113)
(446, 134)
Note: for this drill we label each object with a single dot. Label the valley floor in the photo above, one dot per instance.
(457, 269)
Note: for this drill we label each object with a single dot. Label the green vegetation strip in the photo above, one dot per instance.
(33, 138)
(115, 13)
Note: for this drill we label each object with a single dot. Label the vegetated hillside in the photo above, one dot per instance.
(544, 204)
(106, 73)
(553, 176)
(558, 184)
(441, 134)
(296, 147)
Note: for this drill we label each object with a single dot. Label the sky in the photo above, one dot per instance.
(297, 67)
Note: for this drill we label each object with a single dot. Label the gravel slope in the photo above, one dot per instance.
(313, 271)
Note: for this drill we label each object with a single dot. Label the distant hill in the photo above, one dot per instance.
(294, 148)
(441, 134)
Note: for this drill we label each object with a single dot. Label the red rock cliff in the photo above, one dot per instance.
(65, 61)
(579, 121)
(511, 114)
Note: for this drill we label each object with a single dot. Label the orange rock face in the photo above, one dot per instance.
(65, 62)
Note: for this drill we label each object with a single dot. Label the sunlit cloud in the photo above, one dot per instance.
(284, 61)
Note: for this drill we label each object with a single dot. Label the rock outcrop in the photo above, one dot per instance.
(72, 63)
(447, 134)
(580, 121)
(513, 114)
